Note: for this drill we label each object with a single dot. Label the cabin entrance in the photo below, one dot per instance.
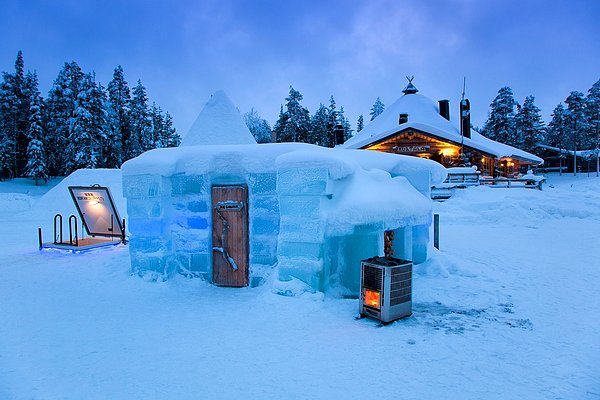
(230, 236)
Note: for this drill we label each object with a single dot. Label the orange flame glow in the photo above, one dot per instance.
(372, 298)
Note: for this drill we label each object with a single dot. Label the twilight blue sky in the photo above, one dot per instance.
(356, 50)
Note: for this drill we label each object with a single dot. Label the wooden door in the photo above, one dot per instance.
(230, 235)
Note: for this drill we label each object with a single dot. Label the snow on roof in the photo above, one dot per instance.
(579, 153)
(366, 187)
(423, 115)
(219, 122)
(268, 157)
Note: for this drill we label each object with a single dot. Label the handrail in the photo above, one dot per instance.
(73, 218)
(60, 219)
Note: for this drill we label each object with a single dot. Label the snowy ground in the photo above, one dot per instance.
(508, 309)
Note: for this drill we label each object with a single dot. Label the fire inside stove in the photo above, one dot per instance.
(372, 298)
(386, 288)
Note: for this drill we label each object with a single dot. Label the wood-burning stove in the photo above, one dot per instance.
(385, 288)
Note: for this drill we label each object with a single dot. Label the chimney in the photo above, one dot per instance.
(465, 118)
(402, 119)
(444, 109)
(339, 134)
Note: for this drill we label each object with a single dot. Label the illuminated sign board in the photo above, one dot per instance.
(410, 149)
(97, 210)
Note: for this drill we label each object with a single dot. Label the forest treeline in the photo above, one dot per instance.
(79, 124)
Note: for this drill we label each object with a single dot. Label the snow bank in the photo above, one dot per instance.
(58, 199)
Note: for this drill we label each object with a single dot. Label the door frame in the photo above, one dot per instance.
(245, 262)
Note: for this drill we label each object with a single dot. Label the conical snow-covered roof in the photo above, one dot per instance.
(423, 114)
(219, 122)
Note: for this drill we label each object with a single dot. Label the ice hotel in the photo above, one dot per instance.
(235, 212)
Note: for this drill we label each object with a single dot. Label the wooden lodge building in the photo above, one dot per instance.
(415, 125)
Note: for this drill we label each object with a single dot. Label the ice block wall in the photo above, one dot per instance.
(148, 197)
(263, 218)
(300, 242)
(170, 220)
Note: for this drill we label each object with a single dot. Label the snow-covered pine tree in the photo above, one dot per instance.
(592, 112)
(119, 98)
(9, 109)
(118, 124)
(293, 125)
(157, 129)
(86, 133)
(345, 125)
(140, 139)
(556, 128)
(14, 112)
(259, 127)
(60, 106)
(332, 123)
(530, 126)
(378, 108)
(279, 127)
(319, 131)
(360, 124)
(36, 162)
(500, 125)
(171, 137)
(575, 122)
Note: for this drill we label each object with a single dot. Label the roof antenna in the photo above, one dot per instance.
(462, 134)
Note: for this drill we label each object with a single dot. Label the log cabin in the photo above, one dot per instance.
(415, 125)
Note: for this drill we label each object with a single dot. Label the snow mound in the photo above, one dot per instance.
(58, 200)
(219, 122)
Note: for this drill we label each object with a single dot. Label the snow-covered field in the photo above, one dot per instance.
(510, 308)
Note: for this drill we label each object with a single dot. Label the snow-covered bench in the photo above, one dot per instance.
(528, 181)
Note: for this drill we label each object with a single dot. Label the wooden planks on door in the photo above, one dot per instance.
(230, 236)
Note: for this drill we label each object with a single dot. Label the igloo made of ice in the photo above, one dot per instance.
(313, 213)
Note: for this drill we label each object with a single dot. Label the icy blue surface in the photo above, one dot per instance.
(296, 181)
(262, 183)
(188, 184)
(170, 222)
(420, 243)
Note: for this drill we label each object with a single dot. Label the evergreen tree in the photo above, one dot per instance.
(360, 125)
(575, 122)
(377, 109)
(319, 131)
(293, 125)
(170, 135)
(60, 107)
(14, 116)
(279, 127)
(530, 126)
(36, 162)
(157, 126)
(9, 109)
(140, 139)
(118, 124)
(259, 127)
(592, 112)
(332, 123)
(345, 125)
(25, 85)
(500, 125)
(86, 132)
(556, 128)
